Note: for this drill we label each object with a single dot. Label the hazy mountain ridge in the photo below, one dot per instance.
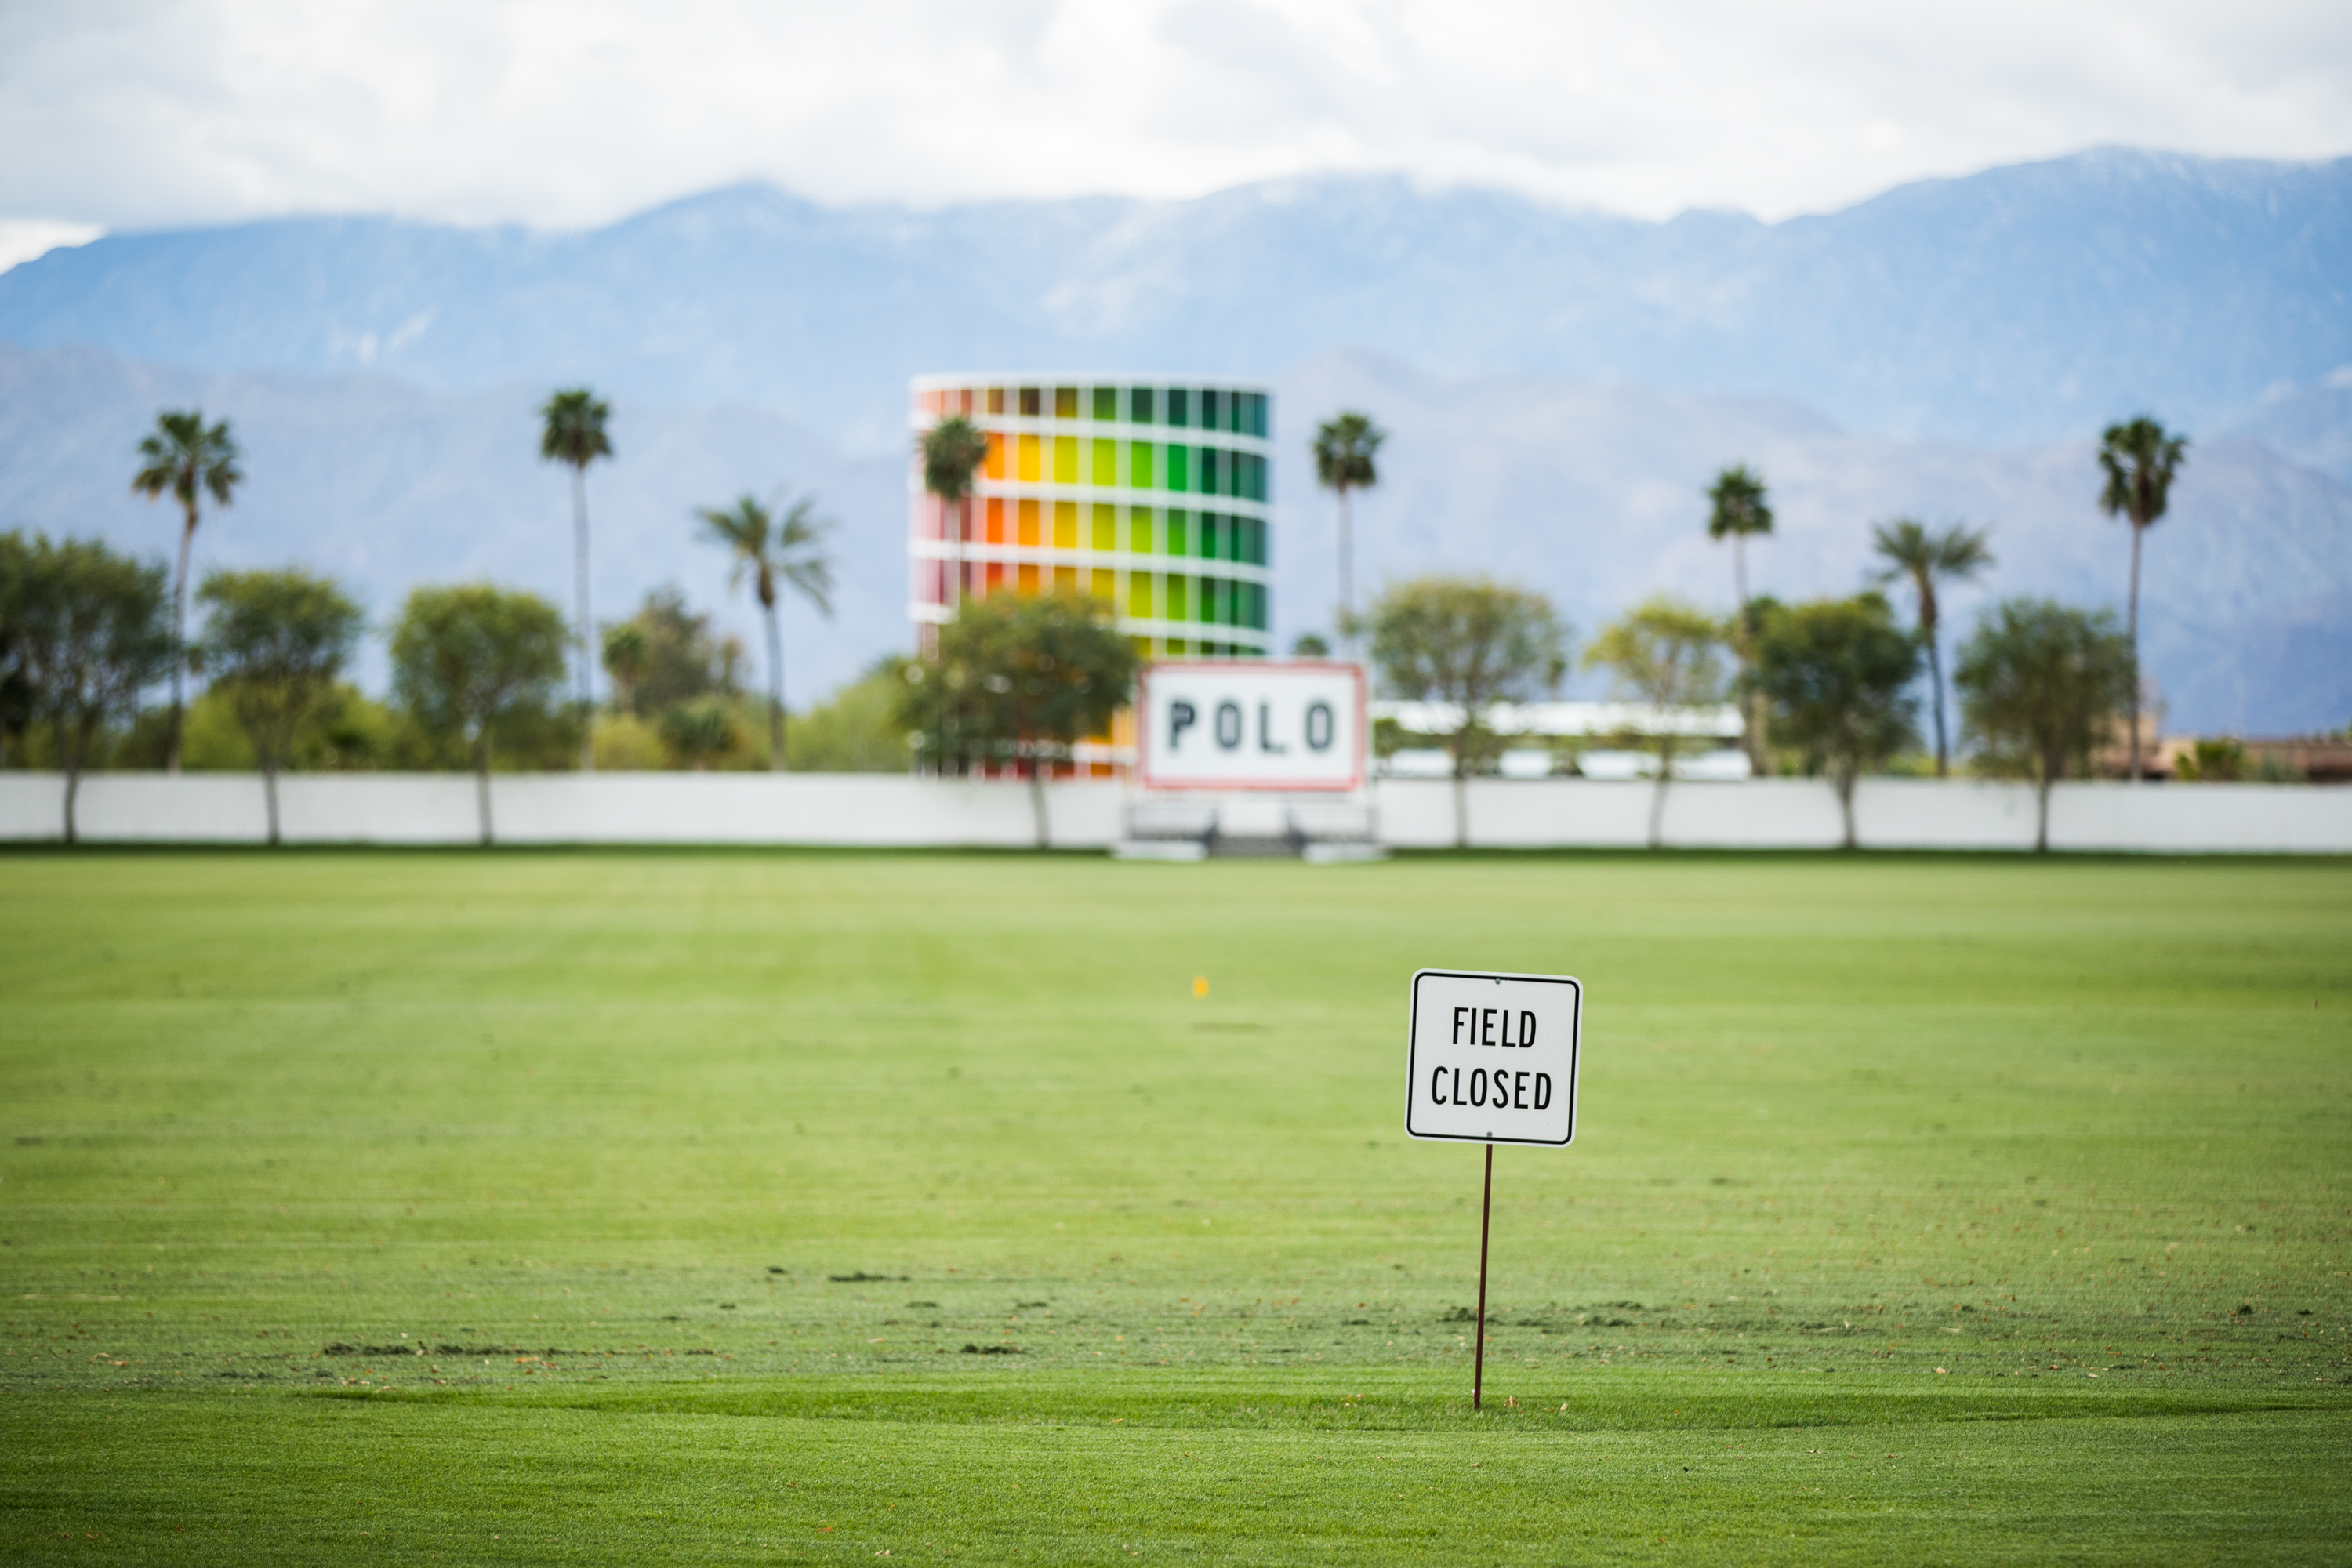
(1592, 493)
(1589, 492)
(385, 485)
(2021, 305)
(2312, 424)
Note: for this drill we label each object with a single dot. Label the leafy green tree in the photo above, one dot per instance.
(273, 644)
(1668, 655)
(2219, 760)
(190, 459)
(1737, 507)
(1017, 680)
(2140, 458)
(625, 651)
(1345, 446)
(1468, 643)
(92, 633)
(350, 732)
(700, 731)
(768, 549)
(858, 729)
(669, 654)
(2041, 685)
(467, 660)
(1837, 673)
(952, 452)
(572, 431)
(16, 686)
(1925, 556)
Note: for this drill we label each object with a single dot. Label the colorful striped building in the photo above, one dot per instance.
(1151, 494)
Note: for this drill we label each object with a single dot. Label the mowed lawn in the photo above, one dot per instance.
(804, 1208)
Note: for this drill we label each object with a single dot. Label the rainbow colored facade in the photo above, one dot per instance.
(1152, 495)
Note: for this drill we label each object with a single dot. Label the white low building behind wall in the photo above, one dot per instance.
(897, 810)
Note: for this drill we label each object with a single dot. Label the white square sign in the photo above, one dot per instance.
(1492, 1057)
(1232, 725)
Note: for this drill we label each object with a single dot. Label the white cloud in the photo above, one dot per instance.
(573, 112)
(23, 239)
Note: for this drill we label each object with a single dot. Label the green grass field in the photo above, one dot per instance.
(800, 1208)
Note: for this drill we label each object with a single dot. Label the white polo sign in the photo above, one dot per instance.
(1492, 1058)
(1247, 724)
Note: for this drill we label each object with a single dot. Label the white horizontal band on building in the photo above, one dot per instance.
(1568, 719)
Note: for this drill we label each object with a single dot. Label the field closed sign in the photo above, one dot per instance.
(1492, 1058)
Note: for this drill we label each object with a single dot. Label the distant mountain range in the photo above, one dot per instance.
(1560, 387)
(2021, 305)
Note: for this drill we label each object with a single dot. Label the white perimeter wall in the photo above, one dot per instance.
(1889, 813)
(891, 809)
(868, 809)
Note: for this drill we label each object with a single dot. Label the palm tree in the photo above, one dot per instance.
(1958, 554)
(2140, 461)
(952, 451)
(1344, 446)
(573, 433)
(182, 456)
(767, 550)
(1739, 509)
(625, 661)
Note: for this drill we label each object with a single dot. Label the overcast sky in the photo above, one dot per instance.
(137, 113)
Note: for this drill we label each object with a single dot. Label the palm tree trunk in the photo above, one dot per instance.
(2132, 624)
(587, 676)
(269, 794)
(775, 695)
(961, 513)
(179, 643)
(482, 783)
(1347, 576)
(1936, 680)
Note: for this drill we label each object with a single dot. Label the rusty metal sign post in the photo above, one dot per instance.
(1491, 1058)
